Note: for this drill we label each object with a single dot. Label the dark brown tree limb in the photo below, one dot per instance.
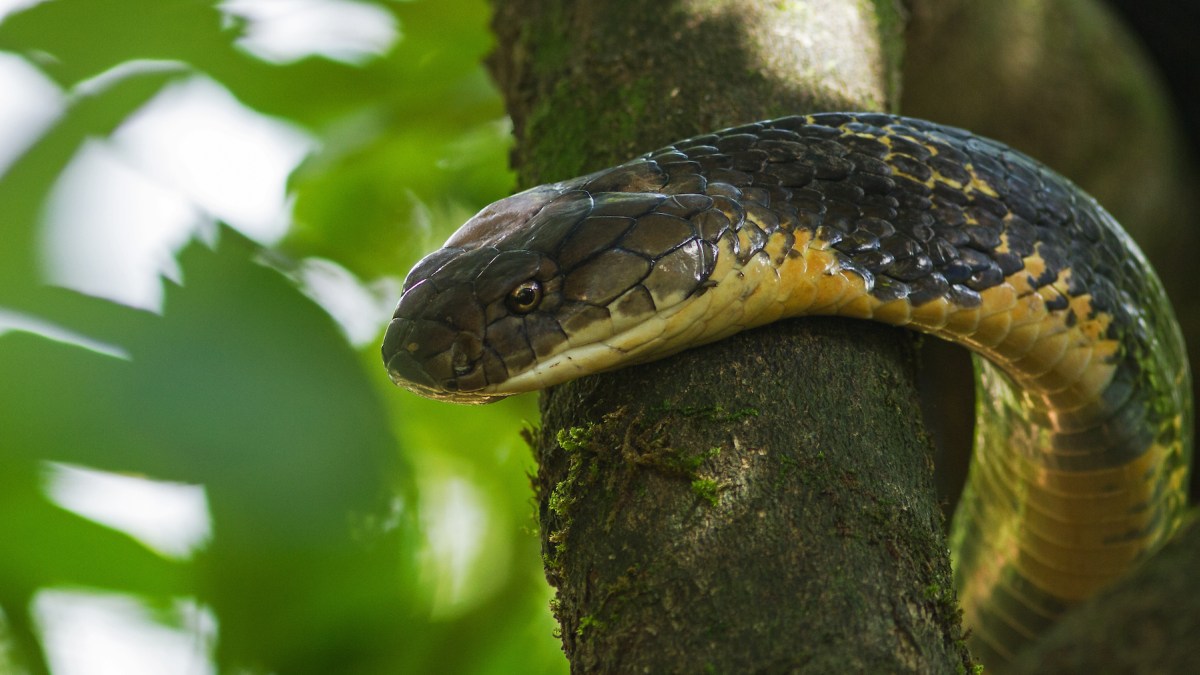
(1147, 623)
(1065, 82)
(765, 503)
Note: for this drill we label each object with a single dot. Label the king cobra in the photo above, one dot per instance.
(1083, 430)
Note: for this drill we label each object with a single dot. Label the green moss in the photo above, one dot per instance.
(558, 152)
(707, 489)
(889, 25)
(788, 466)
(581, 469)
(587, 622)
(633, 107)
(560, 499)
(681, 462)
(553, 43)
(943, 597)
(574, 439)
(972, 669)
(709, 454)
(571, 139)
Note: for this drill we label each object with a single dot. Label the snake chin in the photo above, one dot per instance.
(460, 397)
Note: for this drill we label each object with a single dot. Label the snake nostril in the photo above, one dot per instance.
(465, 352)
(394, 339)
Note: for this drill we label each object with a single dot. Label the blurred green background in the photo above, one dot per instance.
(203, 465)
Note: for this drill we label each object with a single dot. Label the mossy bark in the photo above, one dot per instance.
(763, 504)
(732, 510)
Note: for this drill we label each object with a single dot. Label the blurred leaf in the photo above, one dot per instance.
(76, 39)
(73, 40)
(430, 153)
(252, 385)
(24, 188)
(45, 531)
(246, 372)
(378, 209)
(69, 407)
(244, 385)
(42, 544)
(397, 124)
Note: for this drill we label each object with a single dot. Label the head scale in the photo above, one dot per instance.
(521, 293)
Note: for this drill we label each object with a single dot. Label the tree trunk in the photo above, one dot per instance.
(765, 503)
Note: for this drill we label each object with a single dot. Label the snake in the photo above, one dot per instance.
(1083, 406)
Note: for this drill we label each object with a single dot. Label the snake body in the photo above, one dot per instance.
(1083, 430)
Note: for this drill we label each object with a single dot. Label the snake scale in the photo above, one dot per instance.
(1083, 432)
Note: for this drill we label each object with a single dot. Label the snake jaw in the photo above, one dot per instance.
(455, 374)
(433, 345)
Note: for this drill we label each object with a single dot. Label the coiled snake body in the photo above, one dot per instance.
(1083, 433)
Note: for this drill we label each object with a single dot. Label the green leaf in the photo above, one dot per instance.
(24, 188)
(251, 386)
(74, 40)
(47, 533)
(65, 405)
(246, 386)
(379, 208)
(411, 168)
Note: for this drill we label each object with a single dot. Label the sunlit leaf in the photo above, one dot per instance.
(246, 387)
(430, 153)
(381, 207)
(77, 39)
(24, 188)
(114, 560)
(43, 545)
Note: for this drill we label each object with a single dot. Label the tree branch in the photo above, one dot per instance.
(764, 502)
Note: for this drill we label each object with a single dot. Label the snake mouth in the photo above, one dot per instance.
(428, 368)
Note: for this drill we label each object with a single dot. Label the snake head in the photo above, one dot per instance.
(531, 291)
(437, 344)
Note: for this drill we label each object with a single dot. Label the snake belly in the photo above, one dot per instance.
(1083, 430)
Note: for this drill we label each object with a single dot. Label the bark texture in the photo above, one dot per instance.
(764, 504)
(783, 523)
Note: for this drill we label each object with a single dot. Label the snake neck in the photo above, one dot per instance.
(1082, 431)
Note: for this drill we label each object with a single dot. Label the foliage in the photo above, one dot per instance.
(310, 460)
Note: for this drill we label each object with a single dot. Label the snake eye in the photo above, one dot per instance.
(524, 298)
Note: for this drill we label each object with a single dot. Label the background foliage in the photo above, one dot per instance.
(322, 481)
